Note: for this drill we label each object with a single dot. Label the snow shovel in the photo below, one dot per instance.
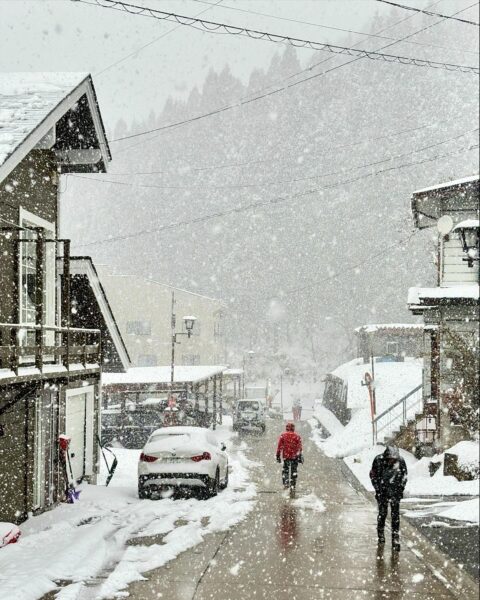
(71, 494)
(110, 468)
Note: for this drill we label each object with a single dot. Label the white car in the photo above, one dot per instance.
(188, 457)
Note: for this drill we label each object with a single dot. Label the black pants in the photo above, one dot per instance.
(383, 503)
(289, 472)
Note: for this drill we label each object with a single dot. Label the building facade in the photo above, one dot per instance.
(450, 312)
(143, 311)
(49, 369)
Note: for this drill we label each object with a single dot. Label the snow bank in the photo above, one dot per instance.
(392, 382)
(419, 481)
(463, 511)
(79, 542)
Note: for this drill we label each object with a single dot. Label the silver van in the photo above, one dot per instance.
(249, 413)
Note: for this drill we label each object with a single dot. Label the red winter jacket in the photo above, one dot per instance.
(290, 445)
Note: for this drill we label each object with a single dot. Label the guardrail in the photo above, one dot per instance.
(48, 345)
(397, 414)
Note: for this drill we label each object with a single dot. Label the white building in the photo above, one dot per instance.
(450, 311)
(143, 309)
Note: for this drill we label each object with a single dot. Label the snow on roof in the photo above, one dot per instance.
(417, 294)
(182, 374)
(233, 372)
(468, 224)
(379, 327)
(26, 99)
(392, 381)
(447, 184)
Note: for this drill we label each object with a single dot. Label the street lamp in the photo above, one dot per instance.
(189, 323)
(250, 355)
(469, 236)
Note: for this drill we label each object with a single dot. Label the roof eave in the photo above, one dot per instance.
(39, 132)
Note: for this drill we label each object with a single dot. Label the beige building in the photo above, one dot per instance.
(143, 309)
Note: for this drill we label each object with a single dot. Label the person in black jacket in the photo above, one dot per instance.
(389, 478)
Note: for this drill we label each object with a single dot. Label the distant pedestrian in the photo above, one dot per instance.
(389, 478)
(297, 409)
(290, 449)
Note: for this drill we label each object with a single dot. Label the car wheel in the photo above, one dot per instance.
(225, 482)
(143, 492)
(214, 485)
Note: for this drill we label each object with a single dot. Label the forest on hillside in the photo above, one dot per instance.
(294, 208)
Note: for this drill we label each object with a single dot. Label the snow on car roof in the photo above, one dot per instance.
(180, 430)
(26, 99)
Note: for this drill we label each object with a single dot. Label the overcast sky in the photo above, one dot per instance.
(61, 35)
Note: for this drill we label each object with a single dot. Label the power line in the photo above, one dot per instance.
(270, 183)
(371, 35)
(246, 100)
(263, 203)
(214, 26)
(428, 12)
(114, 64)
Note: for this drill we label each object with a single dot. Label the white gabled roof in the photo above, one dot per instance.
(30, 105)
(145, 375)
(382, 326)
(468, 292)
(440, 186)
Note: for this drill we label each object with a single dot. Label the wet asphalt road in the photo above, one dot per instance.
(283, 552)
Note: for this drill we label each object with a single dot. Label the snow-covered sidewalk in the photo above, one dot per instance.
(87, 540)
(421, 486)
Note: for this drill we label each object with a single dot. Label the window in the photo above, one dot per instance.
(139, 327)
(147, 360)
(190, 359)
(392, 348)
(28, 276)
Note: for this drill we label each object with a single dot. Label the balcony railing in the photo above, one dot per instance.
(50, 345)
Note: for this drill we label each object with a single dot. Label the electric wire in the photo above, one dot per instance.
(428, 12)
(214, 26)
(364, 33)
(270, 183)
(262, 203)
(247, 100)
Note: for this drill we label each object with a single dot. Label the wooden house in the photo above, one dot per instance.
(450, 312)
(50, 362)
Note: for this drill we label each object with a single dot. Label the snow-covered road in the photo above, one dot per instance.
(100, 539)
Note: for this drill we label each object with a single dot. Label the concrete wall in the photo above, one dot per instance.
(135, 299)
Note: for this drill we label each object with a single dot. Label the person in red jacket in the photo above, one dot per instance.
(290, 449)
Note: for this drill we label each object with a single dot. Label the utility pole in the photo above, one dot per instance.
(173, 323)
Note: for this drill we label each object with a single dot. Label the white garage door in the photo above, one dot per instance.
(79, 428)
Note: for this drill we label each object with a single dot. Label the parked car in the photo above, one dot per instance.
(249, 413)
(182, 457)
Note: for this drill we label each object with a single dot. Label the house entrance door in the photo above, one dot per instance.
(79, 413)
(44, 458)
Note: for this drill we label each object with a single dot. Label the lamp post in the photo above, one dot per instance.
(189, 323)
(286, 371)
(469, 237)
(250, 355)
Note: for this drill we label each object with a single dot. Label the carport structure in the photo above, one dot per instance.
(198, 390)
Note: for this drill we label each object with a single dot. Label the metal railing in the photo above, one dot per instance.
(67, 346)
(397, 415)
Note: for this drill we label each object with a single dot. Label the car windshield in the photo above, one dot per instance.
(166, 440)
(248, 406)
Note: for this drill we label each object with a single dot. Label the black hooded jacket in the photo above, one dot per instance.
(388, 478)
